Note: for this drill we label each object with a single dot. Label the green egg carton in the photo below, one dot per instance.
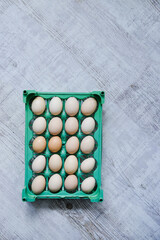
(97, 194)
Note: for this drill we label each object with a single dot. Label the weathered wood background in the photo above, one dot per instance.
(84, 45)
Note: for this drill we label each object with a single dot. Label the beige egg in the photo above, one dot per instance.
(88, 184)
(38, 164)
(38, 185)
(88, 125)
(39, 144)
(72, 106)
(89, 106)
(55, 144)
(55, 162)
(71, 125)
(71, 164)
(87, 144)
(55, 126)
(55, 183)
(87, 165)
(39, 125)
(55, 106)
(38, 106)
(71, 183)
(72, 145)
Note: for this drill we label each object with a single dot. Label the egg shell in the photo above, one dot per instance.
(71, 183)
(55, 183)
(38, 164)
(55, 106)
(38, 106)
(39, 125)
(55, 144)
(89, 106)
(39, 144)
(87, 165)
(88, 184)
(38, 184)
(72, 106)
(72, 145)
(71, 125)
(55, 126)
(87, 144)
(71, 164)
(88, 125)
(55, 163)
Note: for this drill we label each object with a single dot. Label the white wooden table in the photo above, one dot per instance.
(84, 45)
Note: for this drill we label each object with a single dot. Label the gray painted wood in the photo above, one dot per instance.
(83, 46)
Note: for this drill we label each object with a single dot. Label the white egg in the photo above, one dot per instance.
(55, 126)
(55, 183)
(38, 164)
(71, 164)
(87, 165)
(55, 162)
(87, 144)
(89, 106)
(71, 183)
(88, 184)
(38, 184)
(72, 106)
(71, 125)
(55, 106)
(72, 145)
(38, 106)
(88, 125)
(39, 125)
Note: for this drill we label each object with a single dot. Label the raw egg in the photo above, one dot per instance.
(39, 144)
(71, 125)
(55, 126)
(88, 125)
(72, 106)
(87, 144)
(71, 183)
(88, 184)
(87, 165)
(38, 184)
(72, 145)
(89, 106)
(55, 106)
(55, 144)
(55, 162)
(71, 164)
(38, 106)
(39, 125)
(38, 164)
(55, 183)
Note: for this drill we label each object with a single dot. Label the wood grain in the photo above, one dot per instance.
(81, 45)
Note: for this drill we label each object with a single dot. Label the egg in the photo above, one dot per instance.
(88, 125)
(71, 183)
(55, 106)
(55, 144)
(72, 106)
(55, 163)
(55, 183)
(39, 144)
(89, 106)
(87, 165)
(38, 185)
(38, 106)
(87, 144)
(72, 145)
(71, 125)
(71, 164)
(39, 125)
(88, 184)
(38, 164)
(55, 126)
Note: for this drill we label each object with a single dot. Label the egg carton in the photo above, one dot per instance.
(97, 194)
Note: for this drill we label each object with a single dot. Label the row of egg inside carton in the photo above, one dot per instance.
(57, 126)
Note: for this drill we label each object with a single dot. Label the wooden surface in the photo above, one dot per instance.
(85, 45)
